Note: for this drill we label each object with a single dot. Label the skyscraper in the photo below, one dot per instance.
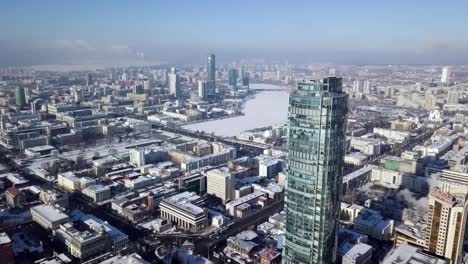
(445, 77)
(212, 69)
(20, 96)
(447, 216)
(356, 86)
(174, 86)
(316, 139)
(233, 77)
(89, 79)
(367, 86)
(202, 89)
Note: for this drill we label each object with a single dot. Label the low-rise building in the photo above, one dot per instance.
(406, 254)
(83, 244)
(372, 223)
(48, 216)
(184, 210)
(97, 193)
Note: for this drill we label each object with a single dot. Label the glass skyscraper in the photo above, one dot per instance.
(20, 96)
(212, 69)
(316, 134)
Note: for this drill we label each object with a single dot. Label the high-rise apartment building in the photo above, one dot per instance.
(447, 221)
(430, 101)
(356, 86)
(453, 97)
(202, 89)
(211, 69)
(445, 77)
(174, 85)
(317, 126)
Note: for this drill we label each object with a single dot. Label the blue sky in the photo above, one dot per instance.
(336, 31)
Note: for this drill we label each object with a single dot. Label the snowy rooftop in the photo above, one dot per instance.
(49, 212)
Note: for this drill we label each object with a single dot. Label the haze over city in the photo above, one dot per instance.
(352, 32)
(243, 132)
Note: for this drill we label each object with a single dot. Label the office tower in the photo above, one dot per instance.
(212, 69)
(89, 79)
(233, 77)
(174, 86)
(316, 139)
(220, 183)
(453, 97)
(332, 72)
(20, 96)
(446, 220)
(445, 77)
(202, 89)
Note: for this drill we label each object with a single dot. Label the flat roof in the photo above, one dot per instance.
(49, 212)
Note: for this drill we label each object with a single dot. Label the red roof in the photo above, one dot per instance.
(12, 191)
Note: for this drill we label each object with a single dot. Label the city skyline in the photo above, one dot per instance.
(54, 32)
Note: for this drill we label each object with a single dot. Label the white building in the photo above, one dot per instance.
(269, 167)
(174, 85)
(137, 157)
(184, 209)
(48, 216)
(453, 97)
(220, 183)
(202, 89)
(356, 159)
(406, 254)
(68, 181)
(445, 77)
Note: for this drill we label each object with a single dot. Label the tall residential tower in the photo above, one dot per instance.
(316, 138)
(174, 85)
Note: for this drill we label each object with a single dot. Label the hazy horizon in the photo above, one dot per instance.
(146, 32)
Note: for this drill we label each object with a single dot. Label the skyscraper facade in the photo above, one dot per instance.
(447, 217)
(233, 77)
(316, 139)
(202, 89)
(453, 97)
(445, 77)
(211, 69)
(20, 96)
(174, 86)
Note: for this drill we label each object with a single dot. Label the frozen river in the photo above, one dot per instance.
(265, 109)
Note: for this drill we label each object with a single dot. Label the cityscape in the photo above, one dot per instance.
(219, 156)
